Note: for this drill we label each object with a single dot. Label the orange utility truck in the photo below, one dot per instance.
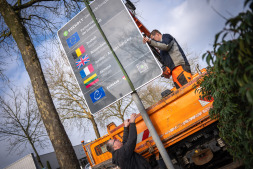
(182, 121)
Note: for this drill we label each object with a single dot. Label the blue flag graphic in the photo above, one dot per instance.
(97, 95)
(73, 39)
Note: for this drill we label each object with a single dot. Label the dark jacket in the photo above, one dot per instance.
(171, 53)
(125, 157)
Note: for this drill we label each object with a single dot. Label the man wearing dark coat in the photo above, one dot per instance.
(123, 154)
(172, 57)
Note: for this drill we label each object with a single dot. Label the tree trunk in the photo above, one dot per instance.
(95, 127)
(33, 147)
(37, 155)
(64, 151)
(48, 165)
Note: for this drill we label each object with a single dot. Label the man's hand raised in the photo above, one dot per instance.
(145, 39)
(133, 117)
(126, 123)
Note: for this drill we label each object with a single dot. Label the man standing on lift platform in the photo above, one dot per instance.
(172, 56)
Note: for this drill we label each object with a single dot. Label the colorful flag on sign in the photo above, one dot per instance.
(78, 52)
(97, 95)
(86, 71)
(91, 81)
(73, 39)
(81, 62)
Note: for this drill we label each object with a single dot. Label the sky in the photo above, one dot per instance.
(193, 23)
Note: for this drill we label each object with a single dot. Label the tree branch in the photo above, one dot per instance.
(6, 33)
(28, 4)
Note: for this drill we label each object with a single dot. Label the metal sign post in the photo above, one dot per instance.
(153, 132)
(136, 99)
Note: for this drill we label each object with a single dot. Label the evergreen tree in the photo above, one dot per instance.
(229, 81)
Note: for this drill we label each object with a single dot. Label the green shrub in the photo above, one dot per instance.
(229, 81)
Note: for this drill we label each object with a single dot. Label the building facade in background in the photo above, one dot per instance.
(49, 159)
(27, 162)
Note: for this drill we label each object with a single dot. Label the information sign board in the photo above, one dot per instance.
(97, 72)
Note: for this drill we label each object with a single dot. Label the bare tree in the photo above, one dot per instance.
(66, 92)
(118, 110)
(151, 93)
(22, 21)
(3, 77)
(21, 123)
(70, 103)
